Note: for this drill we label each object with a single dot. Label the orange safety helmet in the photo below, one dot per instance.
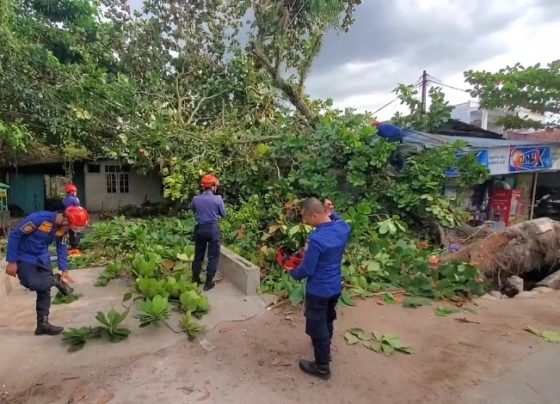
(209, 180)
(77, 217)
(70, 188)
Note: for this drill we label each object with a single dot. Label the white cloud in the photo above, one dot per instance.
(392, 41)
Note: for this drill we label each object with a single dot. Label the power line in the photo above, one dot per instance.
(386, 105)
(449, 86)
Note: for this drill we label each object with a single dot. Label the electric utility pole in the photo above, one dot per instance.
(424, 90)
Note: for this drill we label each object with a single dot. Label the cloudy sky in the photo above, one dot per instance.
(392, 41)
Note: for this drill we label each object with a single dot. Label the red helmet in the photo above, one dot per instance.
(209, 180)
(289, 262)
(78, 218)
(70, 188)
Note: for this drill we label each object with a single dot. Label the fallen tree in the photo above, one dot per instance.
(517, 250)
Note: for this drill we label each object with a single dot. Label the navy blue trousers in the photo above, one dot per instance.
(207, 238)
(40, 280)
(320, 313)
(74, 239)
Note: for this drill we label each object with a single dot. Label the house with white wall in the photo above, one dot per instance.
(103, 184)
(470, 112)
(110, 185)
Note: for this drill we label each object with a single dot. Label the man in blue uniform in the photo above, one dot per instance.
(28, 257)
(322, 267)
(209, 209)
(71, 199)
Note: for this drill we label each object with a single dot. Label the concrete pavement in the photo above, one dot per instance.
(534, 380)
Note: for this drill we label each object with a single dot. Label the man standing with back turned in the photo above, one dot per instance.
(322, 266)
(208, 208)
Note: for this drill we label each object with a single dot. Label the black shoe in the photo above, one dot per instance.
(196, 279)
(45, 328)
(314, 369)
(209, 285)
(62, 286)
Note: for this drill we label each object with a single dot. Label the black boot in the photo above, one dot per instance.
(209, 284)
(196, 279)
(44, 328)
(314, 369)
(62, 286)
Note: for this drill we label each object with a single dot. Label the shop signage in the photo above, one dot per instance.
(498, 160)
(531, 158)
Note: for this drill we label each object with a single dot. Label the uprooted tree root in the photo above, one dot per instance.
(518, 250)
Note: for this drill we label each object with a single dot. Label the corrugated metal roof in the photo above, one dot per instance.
(430, 140)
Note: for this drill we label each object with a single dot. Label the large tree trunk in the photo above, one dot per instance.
(516, 250)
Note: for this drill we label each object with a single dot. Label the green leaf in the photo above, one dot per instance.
(444, 311)
(373, 266)
(414, 302)
(389, 299)
(297, 295)
(551, 336)
(384, 228)
(126, 297)
(350, 338)
(387, 349)
(361, 334)
(346, 299)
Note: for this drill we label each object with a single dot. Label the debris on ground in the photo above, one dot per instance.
(208, 347)
(548, 336)
(466, 321)
(445, 311)
(385, 343)
(514, 286)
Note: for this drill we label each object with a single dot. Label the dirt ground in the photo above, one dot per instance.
(255, 360)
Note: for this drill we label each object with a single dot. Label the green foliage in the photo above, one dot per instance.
(548, 336)
(110, 322)
(146, 265)
(414, 302)
(154, 311)
(109, 329)
(535, 88)
(194, 303)
(437, 114)
(77, 337)
(112, 271)
(386, 343)
(445, 311)
(151, 287)
(176, 285)
(191, 327)
(65, 299)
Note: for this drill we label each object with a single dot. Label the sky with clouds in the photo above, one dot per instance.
(392, 41)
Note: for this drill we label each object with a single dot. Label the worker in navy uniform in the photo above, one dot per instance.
(71, 199)
(208, 208)
(28, 257)
(322, 267)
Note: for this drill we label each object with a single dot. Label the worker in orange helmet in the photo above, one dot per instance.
(29, 258)
(71, 199)
(208, 208)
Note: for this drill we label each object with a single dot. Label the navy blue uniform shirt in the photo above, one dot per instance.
(322, 263)
(70, 200)
(208, 208)
(29, 241)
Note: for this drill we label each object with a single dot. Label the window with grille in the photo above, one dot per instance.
(123, 183)
(117, 179)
